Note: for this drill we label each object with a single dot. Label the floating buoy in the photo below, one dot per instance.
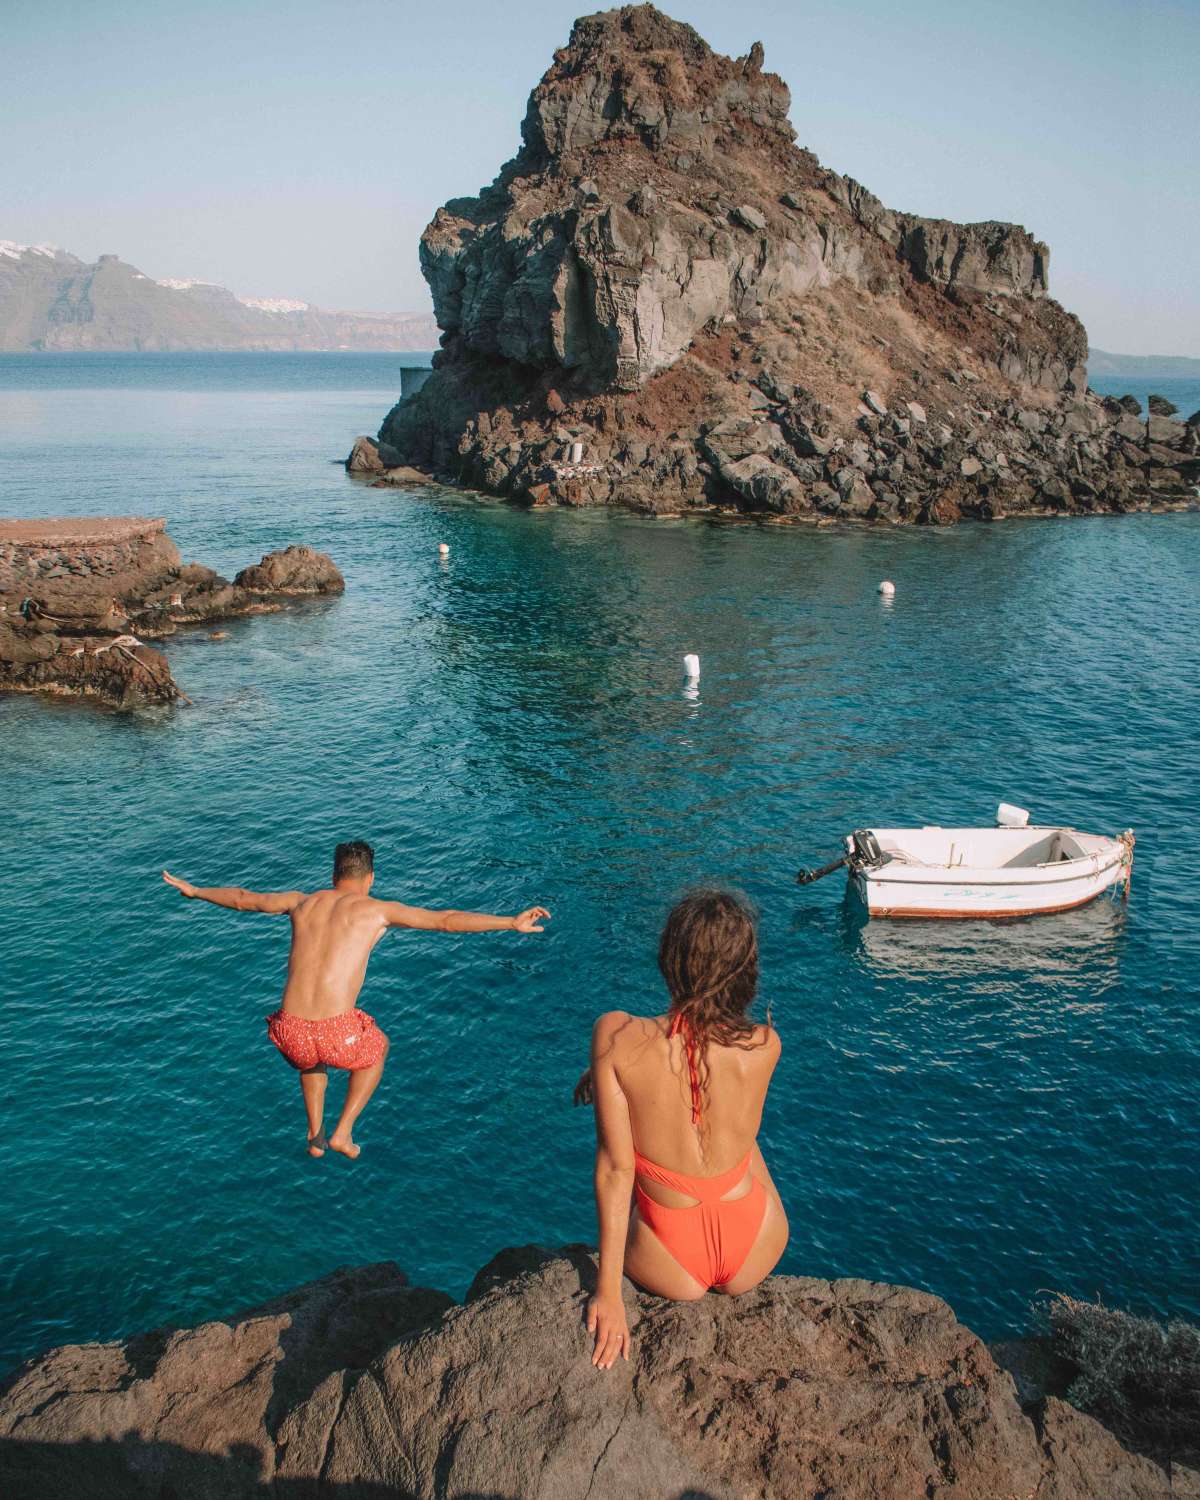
(691, 664)
(443, 549)
(887, 588)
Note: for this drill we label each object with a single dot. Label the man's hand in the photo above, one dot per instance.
(182, 886)
(584, 1092)
(528, 920)
(606, 1320)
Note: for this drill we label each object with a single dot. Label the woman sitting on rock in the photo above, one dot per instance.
(685, 1202)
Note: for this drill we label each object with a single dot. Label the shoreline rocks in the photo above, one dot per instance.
(77, 596)
(662, 276)
(360, 1385)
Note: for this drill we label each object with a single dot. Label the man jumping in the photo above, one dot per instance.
(319, 1025)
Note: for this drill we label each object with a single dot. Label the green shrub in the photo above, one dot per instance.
(1139, 1377)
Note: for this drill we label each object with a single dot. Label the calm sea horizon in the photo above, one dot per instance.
(986, 1111)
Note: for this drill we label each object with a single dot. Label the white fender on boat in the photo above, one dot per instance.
(691, 665)
(443, 549)
(887, 588)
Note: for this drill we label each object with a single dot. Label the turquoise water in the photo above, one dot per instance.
(1184, 393)
(982, 1110)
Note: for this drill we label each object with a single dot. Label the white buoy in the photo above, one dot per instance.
(887, 588)
(443, 549)
(691, 664)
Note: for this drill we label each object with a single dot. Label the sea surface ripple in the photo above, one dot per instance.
(983, 1110)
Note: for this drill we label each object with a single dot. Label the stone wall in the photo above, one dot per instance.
(115, 555)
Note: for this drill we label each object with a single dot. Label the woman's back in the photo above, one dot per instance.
(652, 1067)
(684, 1198)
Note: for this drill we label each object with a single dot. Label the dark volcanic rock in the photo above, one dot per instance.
(295, 570)
(364, 457)
(359, 1386)
(661, 260)
(119, 670)
(77, 593)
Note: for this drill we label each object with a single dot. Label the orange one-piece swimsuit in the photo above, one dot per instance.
(712, 1237)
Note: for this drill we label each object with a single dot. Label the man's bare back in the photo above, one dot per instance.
(333, 933)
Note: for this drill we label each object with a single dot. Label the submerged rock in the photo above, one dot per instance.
(77, 595)
(360, 1386)
(660, 258)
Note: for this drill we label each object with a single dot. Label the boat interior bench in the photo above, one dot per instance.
(984, 849)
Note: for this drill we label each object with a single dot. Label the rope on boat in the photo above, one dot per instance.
(1127, 841)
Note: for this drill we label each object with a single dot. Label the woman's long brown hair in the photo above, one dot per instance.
(708, 955)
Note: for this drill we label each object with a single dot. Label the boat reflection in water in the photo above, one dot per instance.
(1083, 944)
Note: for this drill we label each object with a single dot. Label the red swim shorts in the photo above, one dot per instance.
(350, 1040)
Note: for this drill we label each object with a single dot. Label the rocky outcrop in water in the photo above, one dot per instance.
(663, 277)
(77, 596)
(360, 1386)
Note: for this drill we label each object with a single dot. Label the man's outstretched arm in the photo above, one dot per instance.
(399, 915)
(234, 898)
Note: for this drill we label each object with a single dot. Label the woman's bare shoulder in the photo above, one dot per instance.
(768, 1038)
(617, 1028)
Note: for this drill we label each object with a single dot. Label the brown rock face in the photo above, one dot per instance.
(295, 570)
(660, 259)
(76, 595)
(359, 1387)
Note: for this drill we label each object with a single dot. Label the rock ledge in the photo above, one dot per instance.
(78, 594)
(360, 1386)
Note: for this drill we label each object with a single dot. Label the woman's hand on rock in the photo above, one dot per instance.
(606, 1320)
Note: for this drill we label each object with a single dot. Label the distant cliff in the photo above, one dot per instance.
(662, 276)
(1144, 366)
(51, 300)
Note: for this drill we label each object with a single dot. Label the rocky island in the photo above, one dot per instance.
(663, 302)
(78, 594)
(360, 1387)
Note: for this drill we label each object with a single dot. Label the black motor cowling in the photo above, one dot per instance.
(863, 849)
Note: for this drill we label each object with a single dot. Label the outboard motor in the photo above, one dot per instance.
(862, 853)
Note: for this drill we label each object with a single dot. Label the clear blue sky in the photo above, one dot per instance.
(298, 149)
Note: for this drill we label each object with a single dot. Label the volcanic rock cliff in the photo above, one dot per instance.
(664, 277)
(361, 1387)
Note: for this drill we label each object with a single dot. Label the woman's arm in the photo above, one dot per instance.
(614, 1192)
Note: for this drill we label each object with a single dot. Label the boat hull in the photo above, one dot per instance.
(901, 890)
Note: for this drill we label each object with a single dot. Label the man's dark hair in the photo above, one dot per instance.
(352, 860)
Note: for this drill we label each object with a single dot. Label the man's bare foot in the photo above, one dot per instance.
(317, 1144)
(344, 1144)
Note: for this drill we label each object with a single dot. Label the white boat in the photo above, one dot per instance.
(1011, 870)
